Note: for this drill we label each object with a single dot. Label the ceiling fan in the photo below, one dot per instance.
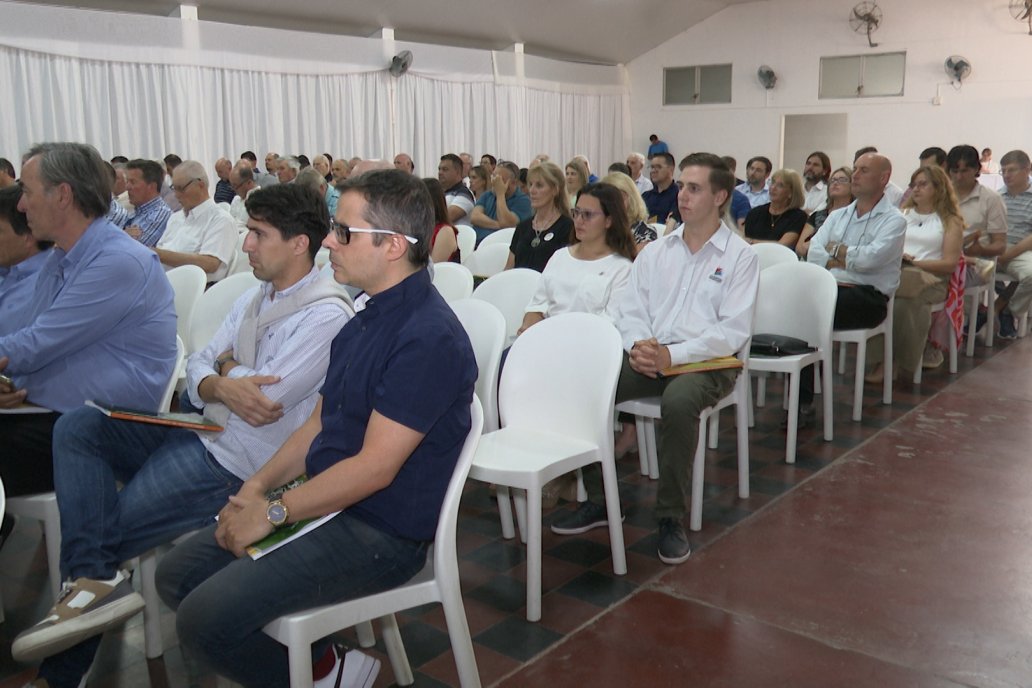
(866, 17)
(1021, 10)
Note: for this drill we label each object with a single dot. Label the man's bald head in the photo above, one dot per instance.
(871, 173)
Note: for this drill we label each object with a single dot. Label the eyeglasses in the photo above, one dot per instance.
(343, 233)
(184, 187)
(839, 180)
(585, 214)
(920, 184)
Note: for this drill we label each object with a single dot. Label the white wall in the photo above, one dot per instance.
(993, 108)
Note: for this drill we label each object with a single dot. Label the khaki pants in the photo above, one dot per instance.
(1021, 269)
(911, 320)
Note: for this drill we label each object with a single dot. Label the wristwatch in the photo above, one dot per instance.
(277, 513)
(221, 362)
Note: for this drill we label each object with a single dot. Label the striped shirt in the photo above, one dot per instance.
(151, 218)
(1019, 215)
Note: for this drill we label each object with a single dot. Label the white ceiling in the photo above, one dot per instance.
(601, 31)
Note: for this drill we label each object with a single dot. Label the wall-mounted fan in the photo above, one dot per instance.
(866, 17)
(766, 76)
(1022, 11)
(957, 68)
(400, 63)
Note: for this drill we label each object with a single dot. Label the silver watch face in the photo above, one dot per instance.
(277, 514)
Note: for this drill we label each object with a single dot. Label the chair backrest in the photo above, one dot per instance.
(510, 292)
(499, 236)
(467, 242)
(770, 254)
(485, 326)
(488, 260)
(560, 377)
(187, 284)
(241, 261)
(215, 305)
(166, 398)
(444, 539)
(454, 281)
(798, 300)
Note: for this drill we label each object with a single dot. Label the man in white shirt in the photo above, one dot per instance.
(816, 172)
(893, 192)
(200, 234)
(636, 161)
(690, 298)
(259, 378)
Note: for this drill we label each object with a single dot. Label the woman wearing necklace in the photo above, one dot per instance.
(781, 220)
(840, 195)
(931, 252)
(536, 239)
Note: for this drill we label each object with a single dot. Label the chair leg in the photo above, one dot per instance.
(153, 644)
(300, 657)
(643, 455)
(887, 380)
(842, 358)
(458, 632)
(953, 351)
(743, 407)
(650, 443)
(972, 318)
(793, 416)
(396, 651)
(611, 487)
(827, 400)
(991, 307)
(366, 637)
(582, 492)
(533, 533)
(761, 390)
(52, 533)
(505, 511)
(519, 500)
(714, 429)
(698, 477)
(918, 373)
(858, 382)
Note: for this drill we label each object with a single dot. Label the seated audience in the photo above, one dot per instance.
(634, 207)
(840, 194)
(339, 170)
(467, 165)
(168, 194)
(892, 190)
(489, 163)
(576, 179)
(636, 163)
(456, 194)
(444, 246)
(403, 162)
(116, 214)
(690, 298)
(101, 323)
(816, 172)
(782, 219)
(321, 163)
(8, 177)
(288, 168)
(379, 451)
(304, 161)
(150, 218)
(200, 234)
(272, 165)
(1016, 261)
(262, 179)
(538, 237)
(587, 165)
(503, 205)
(931, 253)
(223, 189)
(119, 188)
(21, 258)
(620, 167)
(755, 185)
(241, 178)
(661, 200)
(311, 178)
(259, 378)
(479, 180)
(986, 163)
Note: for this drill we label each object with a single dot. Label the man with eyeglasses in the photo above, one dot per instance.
(241, 179)
(258, 378)
(661, 200)
(200, 234)
(1016, 261)
(379, 451)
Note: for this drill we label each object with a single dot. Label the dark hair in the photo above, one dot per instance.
(454, 160)
(729, 161)
(493, 159)
(667, 158)
(9, 198)
(759, 158)
(720, 177)
(618, 235)
(440, 206)
(863, 151)
(653, 137)
(523, 175)
(963, 154)
(329, 158)
(938, 153)
(172, 160)
(245, 173)
(303, 159)
(293, 209)
(620, 167)
(825, 163)
(1015, 157)
(249, 155)
(119, 159)
(149, 170)
(80, 167)
(399, 201)
(110, 169)
(7, 167)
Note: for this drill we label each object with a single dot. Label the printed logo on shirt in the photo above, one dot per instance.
(718, 275)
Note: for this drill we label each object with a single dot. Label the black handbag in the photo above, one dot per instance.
(777, 345)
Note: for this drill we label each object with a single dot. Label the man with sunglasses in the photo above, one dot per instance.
(379, 450)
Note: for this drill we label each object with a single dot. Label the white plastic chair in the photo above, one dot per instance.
(977, 292)
(860, 337)
(489, 260)
(771, 254)
(454, 281)
(510, 292)
(952, 348)
(467, 240)
(798, 300)
(556, 404)
(437, 582)
(499, 236)
(215, 305)
(647, 411)
(187, 285)
(241, 261)
(485, 326)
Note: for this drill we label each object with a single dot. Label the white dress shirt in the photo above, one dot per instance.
(699, 305)
(206, 230)
(816, 198)
(571, 285)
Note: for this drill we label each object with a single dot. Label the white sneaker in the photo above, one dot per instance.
(352, 670)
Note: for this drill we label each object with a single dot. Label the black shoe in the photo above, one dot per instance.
(1007, 327)
(587, 516)
(674, 547)
(807, 417)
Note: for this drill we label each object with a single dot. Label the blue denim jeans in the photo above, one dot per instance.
(223, 602)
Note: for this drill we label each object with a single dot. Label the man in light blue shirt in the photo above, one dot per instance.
(504, 205)
(101, 323)
(21, 257)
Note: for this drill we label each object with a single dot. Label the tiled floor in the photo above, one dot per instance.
(889, 558)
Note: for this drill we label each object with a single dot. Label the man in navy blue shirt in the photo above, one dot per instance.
(380, 448)
(661, 200)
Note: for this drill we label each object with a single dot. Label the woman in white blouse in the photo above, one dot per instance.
(931, 252)
(586, 275)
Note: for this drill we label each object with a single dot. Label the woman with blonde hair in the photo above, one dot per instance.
(840, 195)
(537, 238)
(479, 180)
(637, 213)
(931, 253)
(782, 220)
(576, 179)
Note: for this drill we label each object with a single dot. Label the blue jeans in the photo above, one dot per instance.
(223, 602)
(172, 485)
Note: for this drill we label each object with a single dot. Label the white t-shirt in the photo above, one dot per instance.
(208, 231)
(570, 285)
(461, 200)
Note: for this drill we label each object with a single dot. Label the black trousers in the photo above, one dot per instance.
(26, 463)
(858, 307)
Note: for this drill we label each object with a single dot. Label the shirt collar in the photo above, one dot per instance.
(414, 286)
(200, 209)
(719, 238)
(84, 246)
(27, 267)
(152, 203)
(268, 289)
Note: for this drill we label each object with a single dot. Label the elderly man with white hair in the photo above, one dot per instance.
(636, 161)
(287, 169)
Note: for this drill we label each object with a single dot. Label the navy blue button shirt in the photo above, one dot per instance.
(661, 204)
(407, 357)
